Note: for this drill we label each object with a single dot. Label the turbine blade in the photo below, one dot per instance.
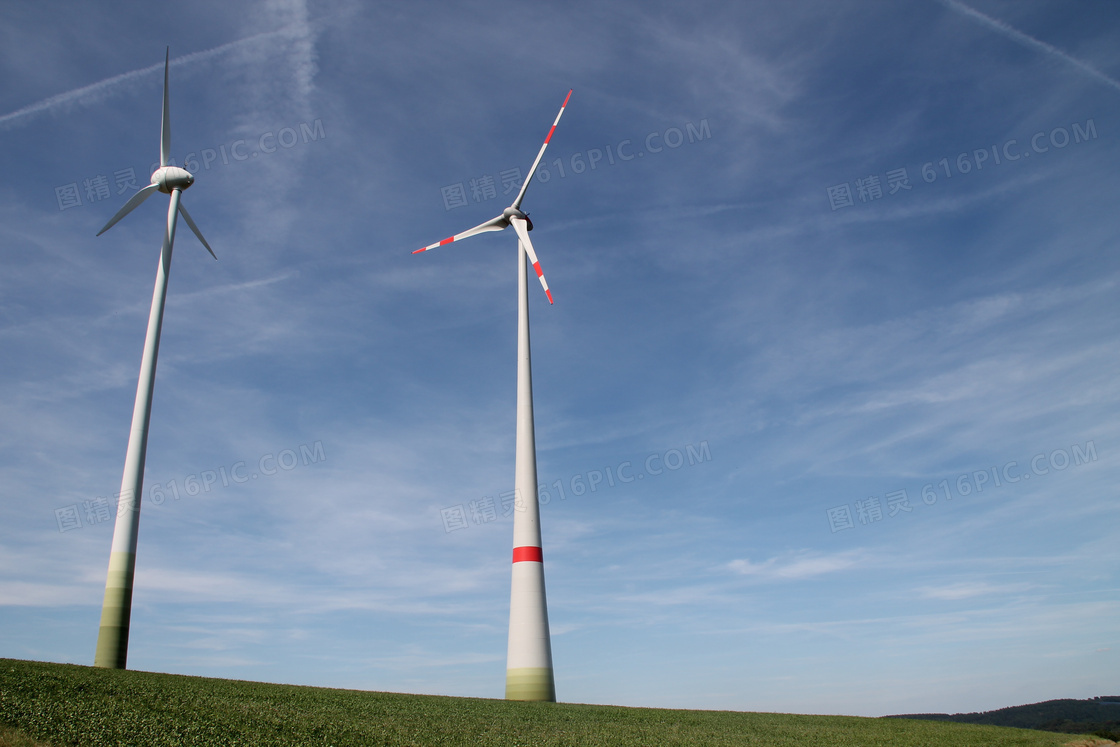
(172, 215)
(187, 218)
(494, 224)
(540, 155)
(523, 234)
(129, 206)
(165, 125)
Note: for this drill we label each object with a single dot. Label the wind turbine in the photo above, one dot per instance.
(529, 656)
(116, 610)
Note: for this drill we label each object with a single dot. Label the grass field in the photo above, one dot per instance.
(63, 704)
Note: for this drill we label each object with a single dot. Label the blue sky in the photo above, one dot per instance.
(838, 297)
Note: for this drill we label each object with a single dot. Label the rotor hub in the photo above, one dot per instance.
(172, 177)
(512, 212)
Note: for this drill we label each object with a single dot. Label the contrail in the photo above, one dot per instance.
(1029, 41)
(97, 91)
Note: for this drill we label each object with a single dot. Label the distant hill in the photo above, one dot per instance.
(1099, 716)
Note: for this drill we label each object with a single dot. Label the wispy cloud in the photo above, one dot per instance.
(795, 566)
(1028, 40)
(298, 31)
(969, 589)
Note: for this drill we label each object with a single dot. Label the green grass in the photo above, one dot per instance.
(63, 704)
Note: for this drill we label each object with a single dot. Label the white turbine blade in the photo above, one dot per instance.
(187, 218)
(165, 137)
(172, 217)
(523, 234)
(494, 224)
(129, 206)
(540, 155)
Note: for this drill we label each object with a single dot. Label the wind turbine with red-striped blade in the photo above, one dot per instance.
(529, 657)
(116, 609)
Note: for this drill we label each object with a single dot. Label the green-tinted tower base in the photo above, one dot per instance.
(530, 683)
(112, 639)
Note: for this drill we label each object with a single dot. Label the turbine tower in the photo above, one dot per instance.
(116, 610)
(529, 657)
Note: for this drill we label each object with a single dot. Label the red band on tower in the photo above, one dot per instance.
(527, 553)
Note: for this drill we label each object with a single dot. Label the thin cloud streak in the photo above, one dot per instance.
(96, 92)
(1029, 40)
(800, 566)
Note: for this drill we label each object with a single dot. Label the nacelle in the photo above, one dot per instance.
(172, 177)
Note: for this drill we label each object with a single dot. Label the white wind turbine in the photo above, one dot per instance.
(112, 639)
(529, 656)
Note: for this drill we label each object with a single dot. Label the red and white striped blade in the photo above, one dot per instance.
(494, 224)
(540, 155)
(523, 234)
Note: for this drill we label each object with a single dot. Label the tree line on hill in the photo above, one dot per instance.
(1099, 716)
